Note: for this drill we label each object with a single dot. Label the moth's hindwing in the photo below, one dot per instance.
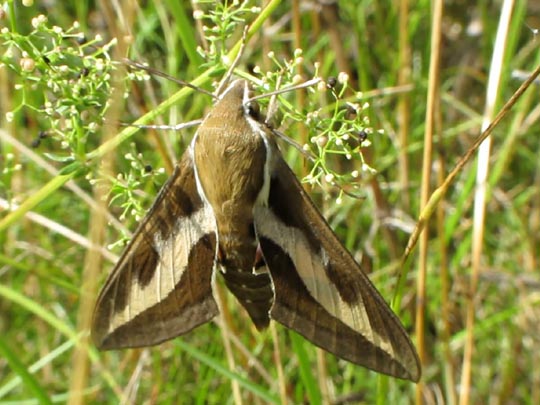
(320, 291)
(161, 286)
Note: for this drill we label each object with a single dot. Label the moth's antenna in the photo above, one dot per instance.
(156, 72)
(303, 85)
(177, 127)
(227, 77)
(272, 107)
(159, 73)
(293, 143)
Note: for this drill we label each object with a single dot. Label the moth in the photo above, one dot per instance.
(233, 208)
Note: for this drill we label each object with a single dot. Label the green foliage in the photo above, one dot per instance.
(63, 80)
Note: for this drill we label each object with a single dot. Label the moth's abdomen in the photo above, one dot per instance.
(238, 257)
(254, 292)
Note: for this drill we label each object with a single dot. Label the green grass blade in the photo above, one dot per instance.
(26, 376)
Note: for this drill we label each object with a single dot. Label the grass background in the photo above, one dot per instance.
(469, 295)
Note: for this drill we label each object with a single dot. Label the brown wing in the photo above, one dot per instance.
(161, 286)
(320, 291)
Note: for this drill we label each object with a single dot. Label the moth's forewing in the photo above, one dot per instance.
(161, 286)
(320, 291)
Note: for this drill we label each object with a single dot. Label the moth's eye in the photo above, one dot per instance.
(253, 110)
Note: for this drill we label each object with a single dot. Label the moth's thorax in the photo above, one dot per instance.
(230, 163)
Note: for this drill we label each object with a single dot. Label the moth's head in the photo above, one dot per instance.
(239, 94)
